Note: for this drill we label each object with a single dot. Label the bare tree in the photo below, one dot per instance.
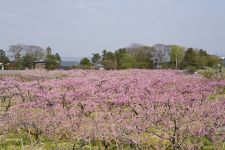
(162, 53)
(15, 52)
(19, 50)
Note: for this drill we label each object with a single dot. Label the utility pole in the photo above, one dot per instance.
(115, 63)
(223, 61)
(176, 62)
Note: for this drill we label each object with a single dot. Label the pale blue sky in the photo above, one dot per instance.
(81, 27)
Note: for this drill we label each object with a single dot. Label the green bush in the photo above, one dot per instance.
(213, 73)
(191, 69)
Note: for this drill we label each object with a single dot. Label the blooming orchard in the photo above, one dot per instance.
(132, 107)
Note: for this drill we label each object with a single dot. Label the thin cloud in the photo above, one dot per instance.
(5, 15)
(76, 26)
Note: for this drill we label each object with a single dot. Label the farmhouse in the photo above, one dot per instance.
(69, 62)
(98, 66)
(39, 64)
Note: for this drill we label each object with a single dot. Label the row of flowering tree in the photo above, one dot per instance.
(138, 109)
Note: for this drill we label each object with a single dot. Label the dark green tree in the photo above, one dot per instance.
(143, 55)
(19, 61)
(52, 61)
(109, 60)
(3, 57)
(203, 58)
(104, 52)
(190, 58)
(28, 61)
(58, 57)
(119, 54)
(85, 63)
(128, 61)
(96, 58)
(48, 51)
(203, 53)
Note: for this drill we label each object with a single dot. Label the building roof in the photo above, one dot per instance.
(40, 61)
(98, 65)
(69, 63)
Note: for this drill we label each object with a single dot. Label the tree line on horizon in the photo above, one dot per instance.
(135, 56)
(25, 56)
(154, 57)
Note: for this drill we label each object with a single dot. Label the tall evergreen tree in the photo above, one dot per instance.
(58, 57)
(96, 58)
(52, 61)
(109, 60)
(3, 57)
(28, 61)
(190, 58)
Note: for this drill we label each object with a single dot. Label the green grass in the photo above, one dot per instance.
(22, 142)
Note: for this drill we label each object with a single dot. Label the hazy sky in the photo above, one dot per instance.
(81, 27)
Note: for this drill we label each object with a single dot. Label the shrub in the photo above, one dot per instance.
(213, 73)
(191, 69)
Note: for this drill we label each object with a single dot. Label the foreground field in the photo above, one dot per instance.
(132, 109)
